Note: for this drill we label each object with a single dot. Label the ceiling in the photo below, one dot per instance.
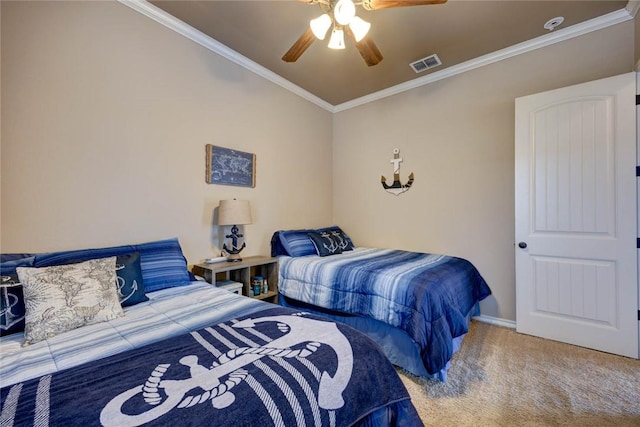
(457, 31)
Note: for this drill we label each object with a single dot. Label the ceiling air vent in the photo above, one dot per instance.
(426, 63)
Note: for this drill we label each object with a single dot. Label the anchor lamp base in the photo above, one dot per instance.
(234, 251)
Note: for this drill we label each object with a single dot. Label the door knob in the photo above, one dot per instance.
(522, 245)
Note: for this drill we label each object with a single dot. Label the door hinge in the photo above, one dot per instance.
(639, 315)
(637, 99)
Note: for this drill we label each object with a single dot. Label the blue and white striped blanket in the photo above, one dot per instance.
(168, 313)
(261, 365)
(428, 296)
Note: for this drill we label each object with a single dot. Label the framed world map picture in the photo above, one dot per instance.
(230, 167)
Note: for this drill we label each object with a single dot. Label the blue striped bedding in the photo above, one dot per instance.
(426, 295)
(198, 355)
(169, 312)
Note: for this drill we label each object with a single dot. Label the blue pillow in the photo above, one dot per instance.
(13, 257)
(11, 308)
(341, 238)
(11, 298)
(79, 255)
(325, 243)
(297, 242)
(163, 265)
(161, 262)
(8, 268)
(130, 283)
(276, 245)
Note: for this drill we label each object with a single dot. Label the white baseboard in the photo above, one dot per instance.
(496, 321)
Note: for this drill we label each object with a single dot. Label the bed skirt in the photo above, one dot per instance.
(397, 345)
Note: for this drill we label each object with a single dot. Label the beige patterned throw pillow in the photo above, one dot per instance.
(65, 297)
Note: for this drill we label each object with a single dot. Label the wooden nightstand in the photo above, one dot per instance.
(242, 272)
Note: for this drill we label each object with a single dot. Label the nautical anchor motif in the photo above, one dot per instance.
(9, 301)
(334, 245)
(234, 236)
(396, 188)
(121, 283)
(231, 364)
(340, 241)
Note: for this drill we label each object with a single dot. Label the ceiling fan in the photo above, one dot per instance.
(341, 14)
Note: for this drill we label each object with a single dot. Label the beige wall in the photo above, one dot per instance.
(105, 116)
(457, 136)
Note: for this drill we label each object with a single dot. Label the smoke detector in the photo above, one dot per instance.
(554, 23)
(425, 63)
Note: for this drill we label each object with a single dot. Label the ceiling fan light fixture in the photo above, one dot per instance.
(337, 39)
(359, 28)
(320, 26)
(344, 12)
(341, 15)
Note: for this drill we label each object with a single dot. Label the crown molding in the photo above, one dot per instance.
(633, 6)
(171, 22)
(213, 45)
(556, 36)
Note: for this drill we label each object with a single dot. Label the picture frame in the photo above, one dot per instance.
(225, 166)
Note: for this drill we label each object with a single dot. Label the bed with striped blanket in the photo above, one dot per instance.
(198, 355)
(417, 305)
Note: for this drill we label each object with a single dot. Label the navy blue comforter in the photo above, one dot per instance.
(274, 367)
(428, 296)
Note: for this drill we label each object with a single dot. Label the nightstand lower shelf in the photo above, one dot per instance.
(243, 272)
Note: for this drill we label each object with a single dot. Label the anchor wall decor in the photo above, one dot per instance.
(397, 187)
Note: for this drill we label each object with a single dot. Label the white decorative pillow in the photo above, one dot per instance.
(65, 297)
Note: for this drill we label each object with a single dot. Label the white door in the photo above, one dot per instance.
(576, 256)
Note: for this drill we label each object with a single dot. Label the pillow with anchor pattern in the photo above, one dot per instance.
(296, 243)
(340, 237)
(11, 298)
(11, 307)
(325, 243)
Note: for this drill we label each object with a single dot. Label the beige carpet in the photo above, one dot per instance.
(502, 378)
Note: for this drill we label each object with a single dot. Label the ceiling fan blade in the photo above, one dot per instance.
(386, 4)
(299, 46)
(368, 49)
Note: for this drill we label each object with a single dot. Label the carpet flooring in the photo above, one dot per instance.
(502, 378)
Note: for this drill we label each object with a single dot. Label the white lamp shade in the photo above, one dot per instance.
(337, 39)
(359, 28)
(234, 212)
(320, 26)
(344, 12)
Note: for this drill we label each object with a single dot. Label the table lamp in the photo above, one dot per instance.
(234, 212)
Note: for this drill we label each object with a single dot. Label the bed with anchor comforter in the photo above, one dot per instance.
(417, 305)
(198, 355)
